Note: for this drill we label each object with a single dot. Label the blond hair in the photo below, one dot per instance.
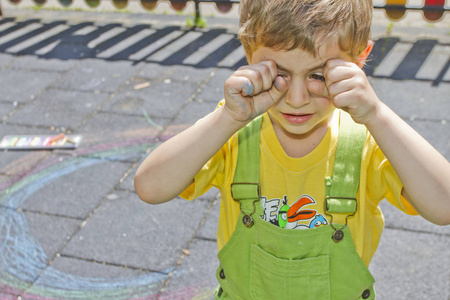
(305, 24)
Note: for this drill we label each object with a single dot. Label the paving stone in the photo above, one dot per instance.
(194, 111)
(142, 235)
(21, 258)
(5, 59)
(123, 126)
(76, 186)
(209, 229)
(6, 296)
(422, 101)
(412, 266)
(172, 130)
(436, 133)
(394, 218)
(128, 183)
(4, 178)
(195, 278)
(6, 108)
(50, 232)
(59, 109)
(177, 73)
(30, 82)
(18, 162)
(211, 195)
(97, 75)
(213, 90)
(32, 62)
(119, 137)
(17, 129)
(161, 99)
(72, 278)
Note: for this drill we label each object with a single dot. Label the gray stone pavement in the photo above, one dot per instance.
(71, 225)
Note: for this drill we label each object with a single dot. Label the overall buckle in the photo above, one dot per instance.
(340, 207)
(243, 191)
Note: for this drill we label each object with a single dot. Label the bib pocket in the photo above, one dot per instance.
(288, 279)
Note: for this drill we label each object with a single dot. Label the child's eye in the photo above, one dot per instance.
(318, 76)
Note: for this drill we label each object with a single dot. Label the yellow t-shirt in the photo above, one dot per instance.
(293, 189)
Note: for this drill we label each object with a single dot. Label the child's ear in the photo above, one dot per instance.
(363, 56)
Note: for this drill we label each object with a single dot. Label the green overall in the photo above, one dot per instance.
(263, 261)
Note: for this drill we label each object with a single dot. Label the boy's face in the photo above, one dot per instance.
(306, 108)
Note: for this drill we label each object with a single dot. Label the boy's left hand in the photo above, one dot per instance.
(350, 90)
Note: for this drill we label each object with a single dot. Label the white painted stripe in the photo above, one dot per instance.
(447, 75)
(126, 43)
(207, 49)
(6, 25)
(85, 30)
(436, 60)
(105, 36)
(233, 57)
(393, 59)
(17, 33)
(47, 48)
(171, 48)
(37, 38)
(155, 45)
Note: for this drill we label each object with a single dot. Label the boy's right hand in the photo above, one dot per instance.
(253, 89)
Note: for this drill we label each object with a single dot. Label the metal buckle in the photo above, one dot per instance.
(247, 219)
(338, 234)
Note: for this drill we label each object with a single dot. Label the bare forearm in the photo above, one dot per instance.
(423, 171)
(171, 167)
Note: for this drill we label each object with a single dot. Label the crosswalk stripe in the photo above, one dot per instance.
(37, 38)
(6, 26)
(392, 60)
(234, 57)
(209, 48)
(424, 59)
(20, 32)
(85, 30)
(106, 36)
(447, 75)
(434, 63)
(126, 43)
(144, 52)
(47, 48)
(175, 46)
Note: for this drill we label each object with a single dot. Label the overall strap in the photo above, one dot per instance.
(342, 188)
(246, 177)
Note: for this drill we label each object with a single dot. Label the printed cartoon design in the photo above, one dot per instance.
(278, 212)
(319, 220)
(283, 214)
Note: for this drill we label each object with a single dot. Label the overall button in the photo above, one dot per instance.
(248, 221)
(338, 235)
(222, 274)
(219, 293)
(366, 294)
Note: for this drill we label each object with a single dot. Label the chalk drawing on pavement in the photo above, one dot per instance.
(23, 260)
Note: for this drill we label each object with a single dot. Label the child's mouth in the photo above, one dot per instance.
(297, 118)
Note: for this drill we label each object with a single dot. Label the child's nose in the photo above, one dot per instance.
(297, 94)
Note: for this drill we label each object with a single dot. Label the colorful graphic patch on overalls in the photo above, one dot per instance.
(278, 212)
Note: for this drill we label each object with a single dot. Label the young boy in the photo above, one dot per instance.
(305, 59)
